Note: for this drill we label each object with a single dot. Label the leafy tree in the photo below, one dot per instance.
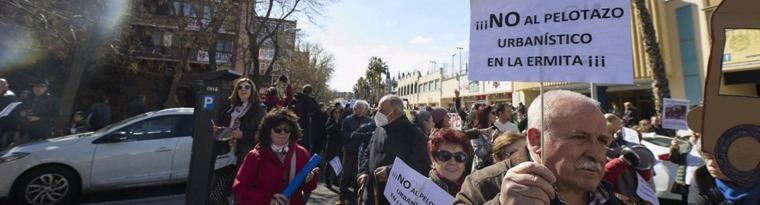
(372, 86)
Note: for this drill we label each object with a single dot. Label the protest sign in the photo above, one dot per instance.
(406, 186)
(674, 114)
(8, 109)
(551, 41)
(631, 135)
(645, 191)
(455, 121)
(336, 164)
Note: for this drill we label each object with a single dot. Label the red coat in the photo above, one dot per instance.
(262, 175)
(274, 100)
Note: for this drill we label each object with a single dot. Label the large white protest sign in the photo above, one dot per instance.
(674, 114)
(406, 186)
(551, 41)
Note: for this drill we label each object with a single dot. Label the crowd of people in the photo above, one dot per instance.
(503, 154)
(33, 115)
(497, 157)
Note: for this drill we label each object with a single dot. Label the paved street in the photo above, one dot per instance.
(174, 195)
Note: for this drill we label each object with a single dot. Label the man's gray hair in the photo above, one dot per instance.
(553, 98)
(361, 103)
(395, 101)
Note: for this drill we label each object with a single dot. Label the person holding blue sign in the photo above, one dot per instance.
(274, 162)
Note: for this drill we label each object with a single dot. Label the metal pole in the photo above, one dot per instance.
(460, 59)
(541, 90)
(592, 90)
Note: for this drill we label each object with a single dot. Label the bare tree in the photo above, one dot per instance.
(196, 24)
(269, 20)
(313, 65)
(73, 30)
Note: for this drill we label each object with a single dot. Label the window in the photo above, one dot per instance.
(154, 128)
(185, 126)
(162, 38)
(223, 51)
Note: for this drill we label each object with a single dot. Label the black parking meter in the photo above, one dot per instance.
(208, 98)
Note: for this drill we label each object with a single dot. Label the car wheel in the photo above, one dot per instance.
(46, 185)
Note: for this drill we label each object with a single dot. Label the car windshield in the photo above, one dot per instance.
(659, 141)
(122, 122)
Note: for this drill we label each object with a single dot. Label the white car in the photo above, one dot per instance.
(664, 170)
(148, 149)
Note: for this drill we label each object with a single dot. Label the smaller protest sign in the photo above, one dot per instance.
(631, 135)
(674, 114)
(645, 191)
(7, 110)
(336, 165)
(407, 186)
(455, 121)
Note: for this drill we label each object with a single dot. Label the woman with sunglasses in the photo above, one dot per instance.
(481, 136)
(449, 150)
(274, 162)
(238, 123)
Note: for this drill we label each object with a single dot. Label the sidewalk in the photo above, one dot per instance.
(321, 195)
(178, 199)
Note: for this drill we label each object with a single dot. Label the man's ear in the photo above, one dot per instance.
(534, 140)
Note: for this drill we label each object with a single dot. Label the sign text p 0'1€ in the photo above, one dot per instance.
(208, 103)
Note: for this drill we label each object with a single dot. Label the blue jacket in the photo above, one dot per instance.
(351, 124)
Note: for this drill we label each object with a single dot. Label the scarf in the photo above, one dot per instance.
(736, 194)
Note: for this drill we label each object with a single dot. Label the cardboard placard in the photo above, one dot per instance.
(551, 41)
(730, 124)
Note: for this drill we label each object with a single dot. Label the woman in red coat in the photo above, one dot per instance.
(268, 168)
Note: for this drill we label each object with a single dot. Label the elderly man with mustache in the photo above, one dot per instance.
(569, 168)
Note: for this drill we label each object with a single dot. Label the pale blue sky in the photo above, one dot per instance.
(407, 34)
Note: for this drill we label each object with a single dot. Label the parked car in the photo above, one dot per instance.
(664, 170)
(148, 149)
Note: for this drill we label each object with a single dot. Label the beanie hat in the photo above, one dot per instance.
(438, 114)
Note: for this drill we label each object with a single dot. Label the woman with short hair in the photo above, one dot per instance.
(449, 149)
(274, 162)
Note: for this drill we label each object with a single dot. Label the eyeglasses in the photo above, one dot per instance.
(244, 87)
(446, 156)
(280, 130)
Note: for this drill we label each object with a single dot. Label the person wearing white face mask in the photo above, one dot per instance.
(395, 136)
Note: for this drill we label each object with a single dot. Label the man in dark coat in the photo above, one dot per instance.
(307, 109)
(40, 112)
(395, 136)
(351, 146)
(99, 114)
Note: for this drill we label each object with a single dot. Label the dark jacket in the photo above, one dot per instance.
(46, 108)
(249, 125)
(334, 139)
(484, 186)
(703, 190)
(307, 109)
(100, 116)
(262, 175)
(403, 140)
(351, 124)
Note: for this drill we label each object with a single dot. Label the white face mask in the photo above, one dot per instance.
(380, 119)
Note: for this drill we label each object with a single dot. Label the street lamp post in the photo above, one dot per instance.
(460, 59)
